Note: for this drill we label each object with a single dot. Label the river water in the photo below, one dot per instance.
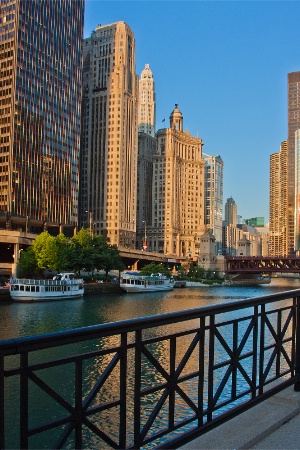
(27, 319)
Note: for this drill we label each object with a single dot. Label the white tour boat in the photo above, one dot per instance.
(62, 286)
(135, 282)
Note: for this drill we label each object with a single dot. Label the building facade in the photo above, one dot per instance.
(40, 92)
(230, 212)
(147, 104)
(146, 149)
(177, 191)
(293, 126)
(278, 202)
(297, 192)
(109, 134)
(213, 203)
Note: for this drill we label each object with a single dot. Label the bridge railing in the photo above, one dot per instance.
(161, 380)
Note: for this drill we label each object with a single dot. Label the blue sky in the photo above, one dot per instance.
(225, 63)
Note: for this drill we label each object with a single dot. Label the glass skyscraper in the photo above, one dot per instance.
(40, 93)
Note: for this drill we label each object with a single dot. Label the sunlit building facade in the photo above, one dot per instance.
(146, 150)
(213, 197)
(297, 191)
(40, 92)
(293, 126)
(109, 134)
(177, 191)
(278, 202)
(147, 105)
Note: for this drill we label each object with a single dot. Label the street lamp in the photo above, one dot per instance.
(145, 236)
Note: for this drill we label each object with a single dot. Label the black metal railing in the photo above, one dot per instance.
(154, 381)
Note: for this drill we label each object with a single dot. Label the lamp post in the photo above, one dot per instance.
(145, 236)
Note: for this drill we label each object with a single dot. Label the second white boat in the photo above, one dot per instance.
(135, 282)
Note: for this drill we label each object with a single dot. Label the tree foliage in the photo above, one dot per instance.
(81, 252)
(154, 268)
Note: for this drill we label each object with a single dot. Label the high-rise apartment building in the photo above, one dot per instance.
(146, 150)
(213, 197)
(40, 92)
(147, 105)
(293, 126)
(278, 202)
(297, 191)
(177, 191)
(109, 134)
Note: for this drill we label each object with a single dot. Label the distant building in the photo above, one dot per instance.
(40, 73)
(146, 151)
(230, 212)
(255, 222)
(251, 241)
(278, 202)
(177, 191)
(297, 192)
(293, 126)
(207, 256)
(229, 234)
(213, 195)
(147, 105)
(109, 134)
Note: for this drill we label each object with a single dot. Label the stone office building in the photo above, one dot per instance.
(109, 134)
(177, 192)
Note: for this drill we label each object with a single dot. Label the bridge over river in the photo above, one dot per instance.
(258, 264)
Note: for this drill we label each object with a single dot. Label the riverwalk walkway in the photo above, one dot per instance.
(273, 424)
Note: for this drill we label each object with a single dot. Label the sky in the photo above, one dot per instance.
(225, 63)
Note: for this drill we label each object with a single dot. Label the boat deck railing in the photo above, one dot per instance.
(152, 381)
(45, 282)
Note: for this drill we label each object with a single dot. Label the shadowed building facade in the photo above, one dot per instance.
(40, 93)
(109, 134)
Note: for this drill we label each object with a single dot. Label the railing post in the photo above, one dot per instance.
(24, 400)
(297, 350)
(2, 440)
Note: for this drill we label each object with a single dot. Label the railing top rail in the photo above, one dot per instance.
(32, 343)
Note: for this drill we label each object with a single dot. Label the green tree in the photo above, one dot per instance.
(154, 268)
(27, 266)
(43, 249)
(111, 260)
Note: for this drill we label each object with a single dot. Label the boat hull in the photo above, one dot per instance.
(22, 297)
(132, 288)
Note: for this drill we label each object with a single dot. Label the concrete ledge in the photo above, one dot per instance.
(251, 427)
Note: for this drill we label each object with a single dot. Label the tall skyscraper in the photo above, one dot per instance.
(109, 138)
(177, 191)
(293, 126)
(213, 195)
(278, 201)
(297, 191)
(40, 92)
(146, 150)
(147, 102)
(230, 212)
